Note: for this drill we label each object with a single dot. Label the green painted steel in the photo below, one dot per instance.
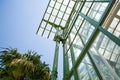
(76, 77)
(42, 18)
(110, 35)
(55, 63)
(91, 39)
(87, 44)
(96, 24)
(92, 61)
(65, 64)
(69, 29)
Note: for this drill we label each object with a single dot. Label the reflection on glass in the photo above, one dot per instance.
(86, 70)
(97, 10)
(72, 78)
(112, 21)
(106, 54)
(118, 13)
(115, 25)
(77, 47)
(85, 31)
(69, 60)
(86, 7)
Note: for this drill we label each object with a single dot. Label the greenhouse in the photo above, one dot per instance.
(89, 31)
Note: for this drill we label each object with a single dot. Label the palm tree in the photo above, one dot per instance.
(16, 66)
(6, 57)
(21, 68)
(41, 71)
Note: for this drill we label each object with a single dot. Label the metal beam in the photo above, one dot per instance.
(110, 35)
(73, 61)
(95, 24)
(93, 1)
(92, 61)
(43, 17)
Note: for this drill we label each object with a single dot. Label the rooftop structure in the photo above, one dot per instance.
(90, 33)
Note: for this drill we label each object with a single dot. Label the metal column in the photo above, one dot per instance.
(55, 63)
(65, 64)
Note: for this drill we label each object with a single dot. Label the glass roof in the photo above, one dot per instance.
(56, 15)
(61, 13)
(80, 20)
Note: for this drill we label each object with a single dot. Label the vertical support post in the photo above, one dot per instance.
(75, 72)
(55, 63)
(65, 64)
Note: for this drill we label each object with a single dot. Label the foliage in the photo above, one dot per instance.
(17, 66)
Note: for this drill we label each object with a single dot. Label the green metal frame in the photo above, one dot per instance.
(65, 63)
(67, 30)
(55, 63)
(73, 62)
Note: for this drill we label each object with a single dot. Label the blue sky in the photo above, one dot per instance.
(19, 20)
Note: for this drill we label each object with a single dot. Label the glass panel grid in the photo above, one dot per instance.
(86, 29)
(97, 10)
(86, 70)
(57, 12)
(112, 21)
(109, 50)
(82, 20)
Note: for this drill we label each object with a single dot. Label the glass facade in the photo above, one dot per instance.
(90, 31)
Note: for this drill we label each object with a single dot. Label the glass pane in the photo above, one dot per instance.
(52, 18)
(86, 31)
(118, 13)
(86, 7)
(112, 21)
(69, 60)
(97, 10)
(49, 10)
(52, 3)
(72, 78)
(77, 47)
(106, 54)
(86, 70)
